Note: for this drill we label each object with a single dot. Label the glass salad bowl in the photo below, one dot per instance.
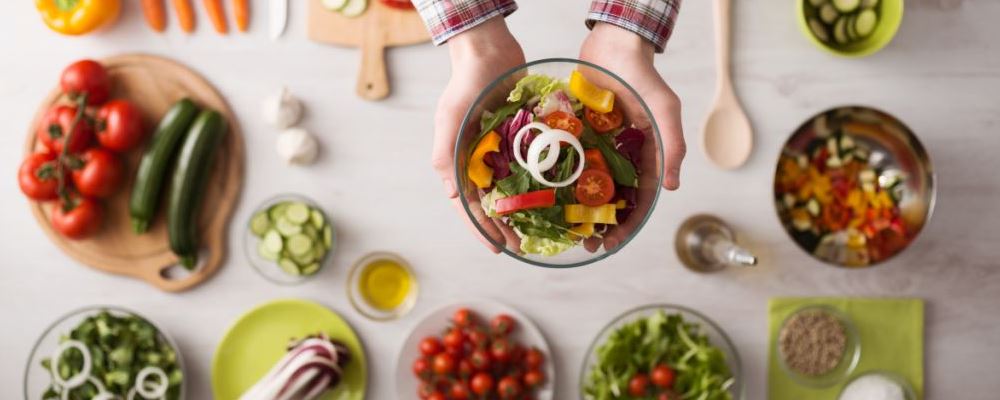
(853, 186)
(705, 342)
(577, 216)
(289, 247)
(152, 348)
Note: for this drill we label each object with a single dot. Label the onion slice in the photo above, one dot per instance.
(81, 377)
(548, 139)
(156, 391)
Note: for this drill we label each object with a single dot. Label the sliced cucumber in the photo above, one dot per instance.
(852, 35)
(289, 266)
(260, 223)
(266, 253)
(277, 211)
(819, 30)
(334, 5)
(310, 269)
(297, 213)
(299, 245)
(273, 242)
(317, 219)
(328, 236)
(869, 4)
(865, 23)
(828, 14)
(287, 228)
(354, 8)
(840, 31)
(846, 6)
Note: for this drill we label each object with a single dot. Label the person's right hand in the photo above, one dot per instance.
(478, 56)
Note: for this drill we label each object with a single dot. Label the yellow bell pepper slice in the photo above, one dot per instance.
(77, 17)
(583, 230)
(480, 173)
(592, 96)
(581, 214)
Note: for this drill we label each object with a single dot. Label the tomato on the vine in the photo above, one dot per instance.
(86, 76)
(603, 122)
(482, 384)
(56, 125)
(38, 176)
(503, 324)
(76, 219)
(119, 126)
(100, 173)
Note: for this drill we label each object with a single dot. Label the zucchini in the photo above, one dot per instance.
(865, 23)
(190, 176)
(846, 6)
(153, 167)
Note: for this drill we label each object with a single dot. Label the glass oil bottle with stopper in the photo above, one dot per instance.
(705, 243)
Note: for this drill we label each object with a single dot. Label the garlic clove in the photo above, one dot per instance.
(297, 146)
(282, 110)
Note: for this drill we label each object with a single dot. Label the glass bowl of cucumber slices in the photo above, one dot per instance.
(850, 28)
(289, 239)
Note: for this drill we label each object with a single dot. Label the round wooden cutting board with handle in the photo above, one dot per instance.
(153, 84)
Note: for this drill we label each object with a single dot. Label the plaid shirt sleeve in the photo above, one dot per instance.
(447, 18)
(651, 19)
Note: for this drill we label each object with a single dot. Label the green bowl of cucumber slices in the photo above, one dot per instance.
(850, 28)
(289, 239)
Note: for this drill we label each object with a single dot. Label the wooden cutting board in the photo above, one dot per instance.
(153, 84)
(375, 30)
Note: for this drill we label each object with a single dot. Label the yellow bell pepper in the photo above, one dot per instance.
(583, 230)
(592, 96)
(480, 173)
(581, 214)
(77, 17)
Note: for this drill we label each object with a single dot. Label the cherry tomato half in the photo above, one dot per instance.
(605, 122)
(119, 126)
(55, 126)
(564, 121)
(594, 188)
(38, 176)
(78, 219)
(86, 76)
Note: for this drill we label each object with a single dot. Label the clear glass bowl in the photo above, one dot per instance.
(908, 392)
(651, 171)
(37, 379)
(270, 269)
(716, 336)
(848, 362)
(362, 306)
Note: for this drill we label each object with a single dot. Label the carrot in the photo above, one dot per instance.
(155, 14)
(241, 11)
(217, 15)
(185, 14)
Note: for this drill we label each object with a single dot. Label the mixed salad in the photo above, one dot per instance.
(114, 357)
(557, 163)
(661, 357)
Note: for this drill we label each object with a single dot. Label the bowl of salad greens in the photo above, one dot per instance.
(559, 163)
(661, 352)
(104, 353)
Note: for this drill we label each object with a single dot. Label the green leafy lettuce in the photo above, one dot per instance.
(621, 168)
(534, 85)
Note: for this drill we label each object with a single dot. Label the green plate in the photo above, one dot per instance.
(259, 338)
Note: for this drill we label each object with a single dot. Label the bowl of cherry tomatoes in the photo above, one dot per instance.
(475, 350)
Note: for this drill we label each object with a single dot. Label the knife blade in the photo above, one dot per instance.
(279, 18)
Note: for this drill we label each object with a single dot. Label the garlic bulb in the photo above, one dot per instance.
(282, 109)
(297, 146)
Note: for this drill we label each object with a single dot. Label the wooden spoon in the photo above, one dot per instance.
(727, 137)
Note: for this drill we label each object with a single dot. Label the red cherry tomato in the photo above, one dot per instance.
(662, 376)
(459, 391)
(463, 317)
(425, 390)
(454, 339)
(55, 126)
(38, 176)
(503, 324)
(509, 388)
(594, 188)
(638, 385)
(603, 122)
(444, 364)
(465, 369)
(480, 360)
(86, 76)
(101, 173)
(564, 121)
(593, 159)
(422, 368)
(119, 126)
(430, 346)
(500, 350)
(78, 219)
(482, 384)
(534, 378)
(533, 358)
(478, 338)
(437, 396)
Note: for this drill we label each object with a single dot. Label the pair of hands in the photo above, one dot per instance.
(481, 54)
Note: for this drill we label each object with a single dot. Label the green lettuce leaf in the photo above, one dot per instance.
(534, 85)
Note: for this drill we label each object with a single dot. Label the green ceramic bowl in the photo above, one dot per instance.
(890, 17)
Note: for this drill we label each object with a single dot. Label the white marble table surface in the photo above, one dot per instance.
(941, 75)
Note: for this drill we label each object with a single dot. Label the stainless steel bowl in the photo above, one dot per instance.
(893, 150)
